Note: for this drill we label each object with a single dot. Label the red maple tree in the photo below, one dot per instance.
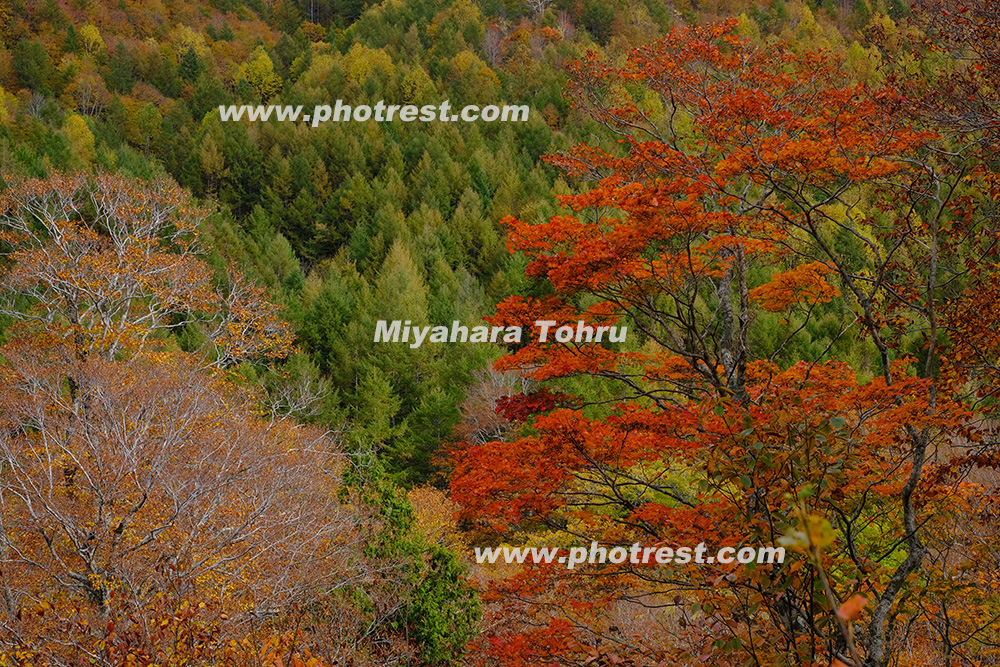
(753, 195)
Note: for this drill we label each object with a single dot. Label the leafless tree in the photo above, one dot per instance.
(493, 44)
(111, 264)
(156, 483)
(537, 7)
(480, 421)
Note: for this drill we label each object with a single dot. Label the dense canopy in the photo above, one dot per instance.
(751, 246)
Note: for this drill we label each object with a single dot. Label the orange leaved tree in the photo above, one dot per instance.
(148, 513)
(151, 489)
(110, 266)
(787, 250)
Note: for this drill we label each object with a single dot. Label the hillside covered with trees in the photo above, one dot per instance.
(207, 457)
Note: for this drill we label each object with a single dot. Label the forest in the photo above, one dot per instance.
(241, 425)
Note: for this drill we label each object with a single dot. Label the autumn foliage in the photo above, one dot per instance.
(111, 266)
(151, 492)
(206, 460)
(154, 511)
(753, 189)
